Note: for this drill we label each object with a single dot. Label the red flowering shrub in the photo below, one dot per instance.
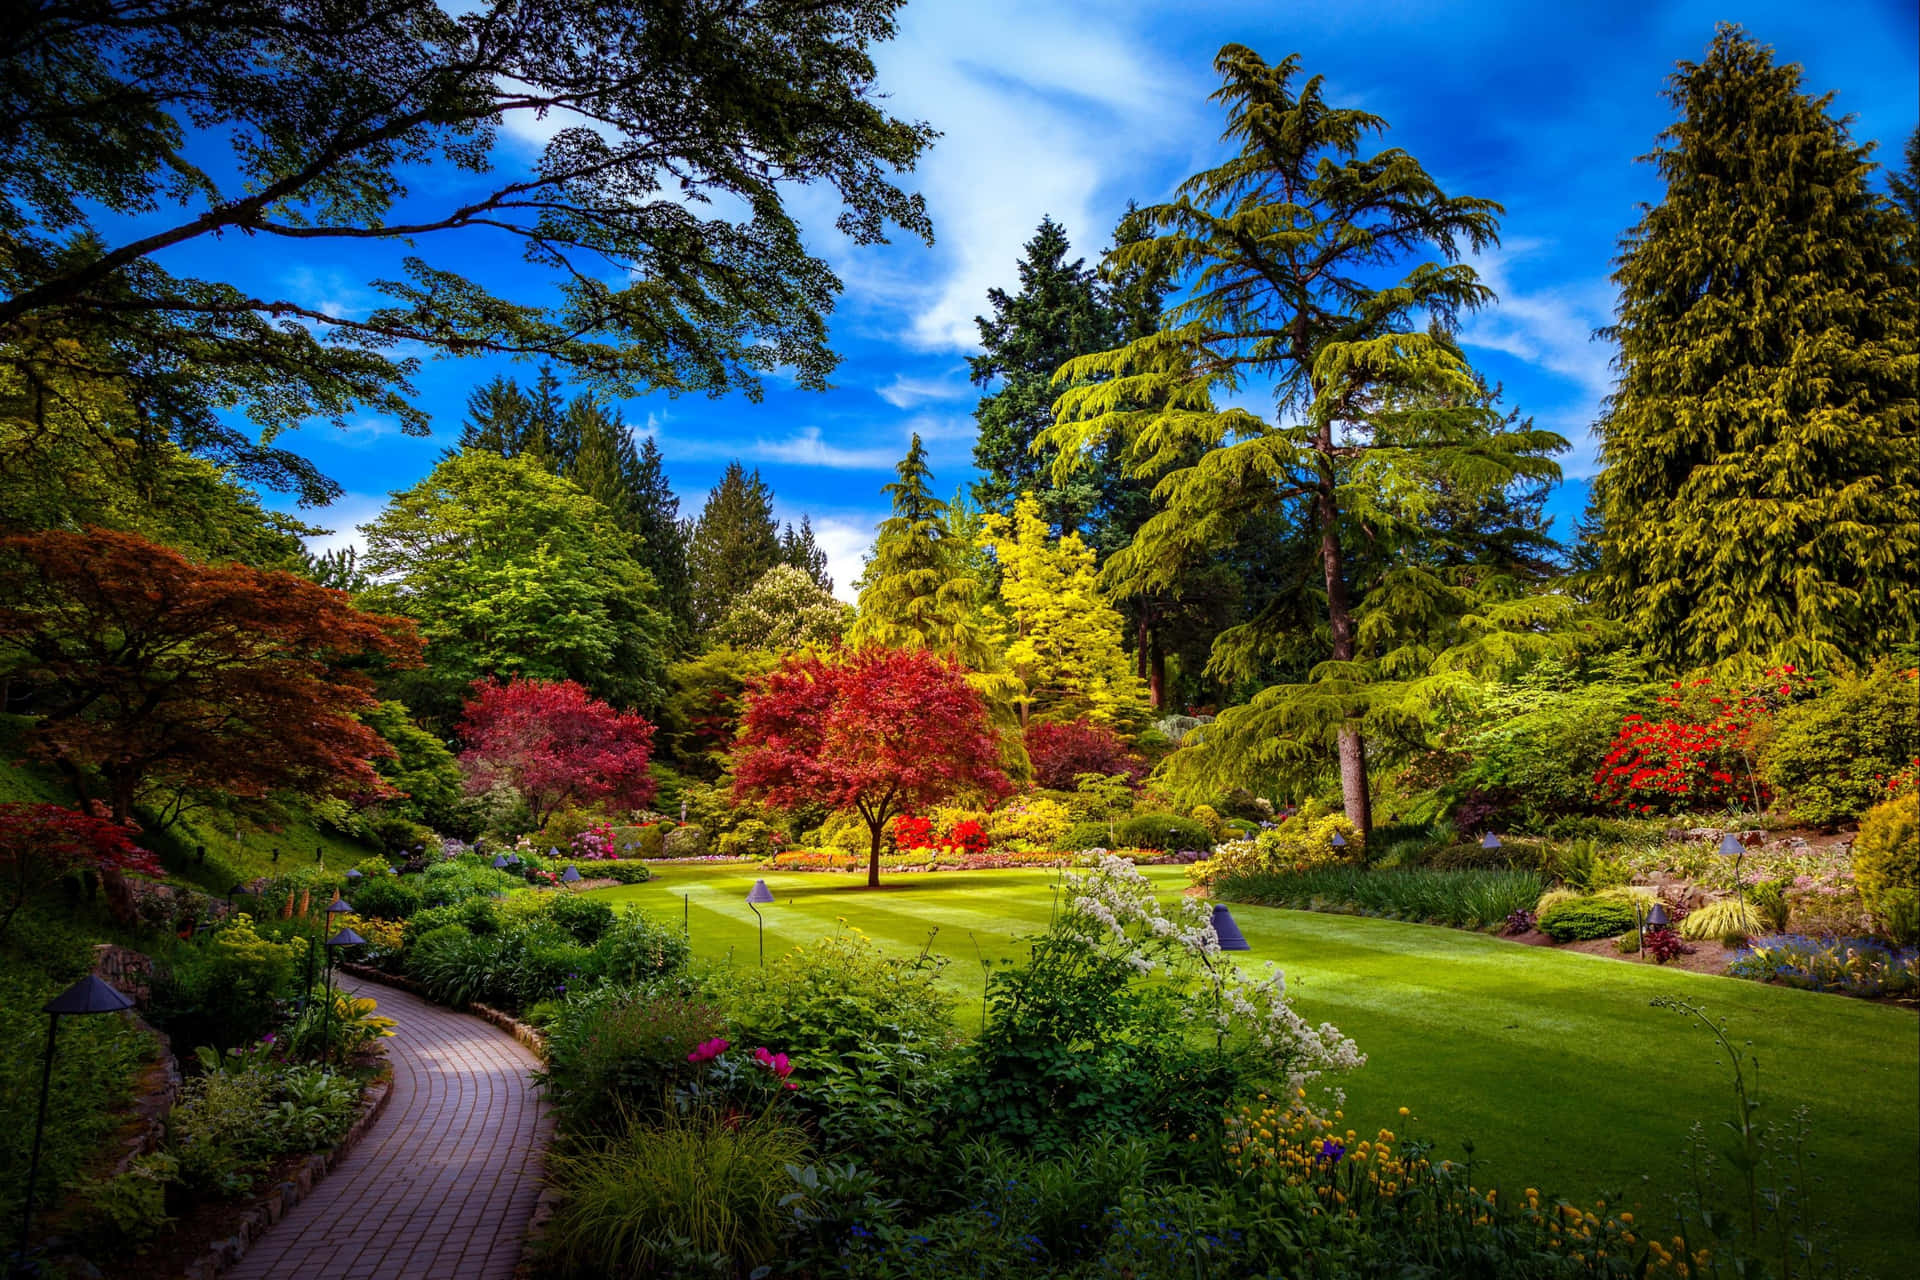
(967, 837)
(1063, 750)
(39, 843)
(910, 832)
(1702, 753)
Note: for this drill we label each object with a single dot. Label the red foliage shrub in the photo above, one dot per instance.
(557, 744)
(1062, 750)
(39, 843)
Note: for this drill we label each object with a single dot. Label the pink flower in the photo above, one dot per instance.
(707, 1050)
(774, 1062)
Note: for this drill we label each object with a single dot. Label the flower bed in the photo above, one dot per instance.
(993, 860)
(1852, 966)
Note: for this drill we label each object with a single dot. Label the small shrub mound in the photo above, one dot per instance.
(1569, 919)
(1727, 918)
(1886, 863)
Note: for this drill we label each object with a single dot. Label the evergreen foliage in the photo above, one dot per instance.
(1285, 246)
(803, 553)
(735, 541)
(664, 539)
(1061, 637)
(1762, 446)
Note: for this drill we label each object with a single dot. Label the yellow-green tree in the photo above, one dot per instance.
(1061, 636)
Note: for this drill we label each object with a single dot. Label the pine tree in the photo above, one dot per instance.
(735, 541)
(496, 418)
(1290, 248)
(664, 538)
(1058, 314)
(803, 553)
(551, 438)
(1905, 185)
(1061, 636)
(605, 462)
(1761, 447)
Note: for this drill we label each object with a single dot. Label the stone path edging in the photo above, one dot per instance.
(307, 1174)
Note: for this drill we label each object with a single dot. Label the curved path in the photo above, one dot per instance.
(444, 1183)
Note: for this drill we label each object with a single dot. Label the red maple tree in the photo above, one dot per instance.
(1062, 750)
(880, 731)
(39, 843)
(160, 681)
(556, 744)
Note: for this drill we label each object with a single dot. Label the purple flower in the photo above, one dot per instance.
(1332, 1151)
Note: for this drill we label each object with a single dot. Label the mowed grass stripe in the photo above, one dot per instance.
(1552, 1063)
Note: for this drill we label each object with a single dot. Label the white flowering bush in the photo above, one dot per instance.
(1115, 908)
(1127, 1019)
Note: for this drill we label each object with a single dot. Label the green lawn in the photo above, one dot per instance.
(1551, 1062)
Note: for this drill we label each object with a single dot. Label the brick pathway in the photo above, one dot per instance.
(444, 1183)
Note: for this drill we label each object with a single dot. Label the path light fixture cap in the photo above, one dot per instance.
(89, 995)
(513, 859)
(571, 875)
(760, 893)
(346, 938)
(500, 862)
(1657, 918)
(1730, 846)
(1224, 928)
(1339, 841)
(395, 869)
(1490, 841)
(354, 874)
(340, 907)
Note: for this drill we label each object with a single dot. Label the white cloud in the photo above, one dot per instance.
(904, 392)
(343, 517)
(845, 535)
(1551, 329)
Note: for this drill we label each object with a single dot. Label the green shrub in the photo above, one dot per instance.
(655, 1200)
(1769, 898)
(1302, 842)
(1167, 832)
(1727, 918)
(620, 1050)
(1886, 853)
(466, 877)
(623, 871)
(689, 841)
(1088, 835)
(214, 1131)
(225, 987)
(636, 948)
(455, 966)
(585, 918)
(640, 842)
(1581, 917)
(1826, 757)
(1581, 865)
(752, 838)
(386, 896)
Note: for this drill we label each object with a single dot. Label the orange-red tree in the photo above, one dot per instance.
(880, 731)
(39, 843)
(556, 744)
(154, 680)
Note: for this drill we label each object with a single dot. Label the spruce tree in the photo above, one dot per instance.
(496, 418)
(1309, 267)
(735, 541)
(803, 553)
(605, 461)
(664, 536)
(1762, 458)
(1059, 313)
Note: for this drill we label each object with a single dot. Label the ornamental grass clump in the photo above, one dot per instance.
(1484, 899)
(1727, 918)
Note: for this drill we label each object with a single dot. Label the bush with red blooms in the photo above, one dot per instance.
(879, 731)
(1062, 750)
(967, 837)
(1702, 753)
(556, 744)
(911, 832)
(39, 843)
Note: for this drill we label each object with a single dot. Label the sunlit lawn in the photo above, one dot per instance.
(1552, 1063)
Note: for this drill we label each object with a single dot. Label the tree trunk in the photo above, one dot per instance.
(1353, 748)
(873, 857)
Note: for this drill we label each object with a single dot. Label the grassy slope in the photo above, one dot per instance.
(1551, 1062)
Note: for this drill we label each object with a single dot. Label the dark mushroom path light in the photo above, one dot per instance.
(1228, 930)
(1490, 841)
(571, 875)
(500, 862)
(756, 896)
(88, 996)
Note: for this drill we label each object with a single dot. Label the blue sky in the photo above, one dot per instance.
(1070, 109)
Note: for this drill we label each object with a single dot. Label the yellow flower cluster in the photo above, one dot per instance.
(1295, 1151)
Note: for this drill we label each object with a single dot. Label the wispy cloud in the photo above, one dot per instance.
(906, 391)
(805, 447)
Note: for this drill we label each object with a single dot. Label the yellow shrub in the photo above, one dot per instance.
(1301, 843)
(1029, 824)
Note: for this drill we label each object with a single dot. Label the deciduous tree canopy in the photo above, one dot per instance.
(555, 744)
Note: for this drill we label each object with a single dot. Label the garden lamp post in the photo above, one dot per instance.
(755, 896)
(344, 938)
(230, 892)
(571, 876)
(1490, 841)
(1339, 841)
(1731, 847)
(354, 876)
(89, 995)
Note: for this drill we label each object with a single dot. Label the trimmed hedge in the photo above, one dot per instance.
(1578, 918)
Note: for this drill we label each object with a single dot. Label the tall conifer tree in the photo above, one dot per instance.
(1058, 314)
(664, 538)
(735, 541)
(605, 462)
(1761, 492)
(1291, 248)
(800, 550)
